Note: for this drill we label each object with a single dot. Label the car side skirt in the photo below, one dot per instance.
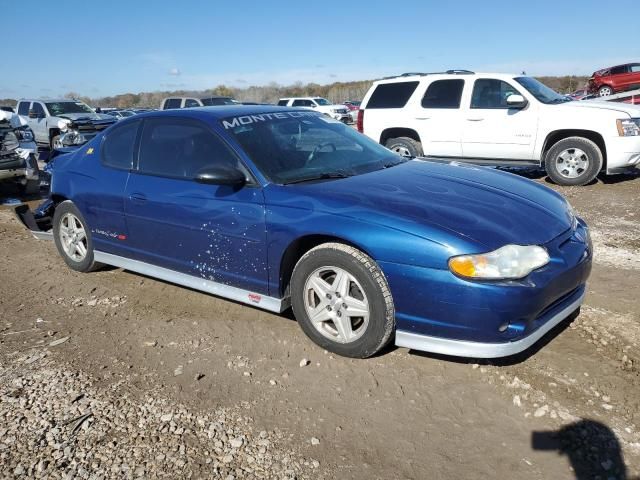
(486, 162)
(197, 283)
(464, 348)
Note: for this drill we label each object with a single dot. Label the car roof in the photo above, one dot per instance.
(49, 100)
(413, 77)
(219, 112)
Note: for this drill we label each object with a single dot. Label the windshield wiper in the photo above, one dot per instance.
(321, 176)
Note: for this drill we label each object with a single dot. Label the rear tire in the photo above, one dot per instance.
(73, 238)
(605, 91)
(342, 301)
(405, 146)
(573, 161)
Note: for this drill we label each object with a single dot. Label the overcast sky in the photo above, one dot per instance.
(109, 47)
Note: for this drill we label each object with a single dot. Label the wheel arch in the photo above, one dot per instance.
(557, 135)
(297, 248)
(398, 132)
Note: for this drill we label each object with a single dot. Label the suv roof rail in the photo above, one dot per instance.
(422, 74)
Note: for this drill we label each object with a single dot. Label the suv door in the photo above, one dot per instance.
(437, 118)
(491, 129)
(630, 79)
(215, 232)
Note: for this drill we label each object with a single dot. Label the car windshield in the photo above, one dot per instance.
(542, 93)
(292, 147)
(127, 113)
(60, 108)
(208, 102)
(322, 101)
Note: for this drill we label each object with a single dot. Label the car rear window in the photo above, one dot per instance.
(392, 95)
(171, 103)
(23, 108)
(119, 142)
(443, 94)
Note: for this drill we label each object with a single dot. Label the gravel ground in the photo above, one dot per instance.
(57, 422)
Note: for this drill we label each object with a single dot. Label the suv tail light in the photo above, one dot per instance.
(360, 121)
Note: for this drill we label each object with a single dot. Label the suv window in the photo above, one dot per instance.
(443, 94)
(618, 70)
(37, 108)
(634, 68)
(491, 93)
(23, 108)
(171, 103)
(302, 103)
(190, 102)
(180, 148)
(392, 95)
(282, 103)
(118, 145)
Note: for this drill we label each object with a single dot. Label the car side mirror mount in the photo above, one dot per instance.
(221, 176)
(516, 101)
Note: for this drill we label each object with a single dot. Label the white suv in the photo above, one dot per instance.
(500, 119)
(319, 104)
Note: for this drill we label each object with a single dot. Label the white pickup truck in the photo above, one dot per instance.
(501, 120)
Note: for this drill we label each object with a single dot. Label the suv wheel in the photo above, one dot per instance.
(73, 238)
(341, 300)
(605, 91)
(405, 146)
(573, 161)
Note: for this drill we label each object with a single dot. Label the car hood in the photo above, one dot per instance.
(477, 204)
(86, 116)
(633, 111)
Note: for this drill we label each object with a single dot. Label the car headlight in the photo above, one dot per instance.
(628, 127)
(508, 262)
(25, 134)
(63, 125)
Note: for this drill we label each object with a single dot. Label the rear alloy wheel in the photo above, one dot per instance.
(73, 238)
(405, 146)
(573, 161)
(605, 91)
(341, 300)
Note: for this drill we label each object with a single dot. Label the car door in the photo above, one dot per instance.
(216, 232)
(437, 118)
(104, 201)
(631, 78)
(494, 130)
(39, 122)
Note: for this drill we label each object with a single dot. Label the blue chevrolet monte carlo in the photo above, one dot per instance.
(276, 207)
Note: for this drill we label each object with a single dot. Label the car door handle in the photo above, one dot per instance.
(423, 118)
(475, 119)
(137, 198)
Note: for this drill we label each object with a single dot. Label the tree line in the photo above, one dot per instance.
(336, 92)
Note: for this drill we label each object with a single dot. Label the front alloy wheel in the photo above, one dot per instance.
(73, 237)
(572, 162)
(336, 304)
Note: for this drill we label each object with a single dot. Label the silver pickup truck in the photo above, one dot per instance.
(62, 123)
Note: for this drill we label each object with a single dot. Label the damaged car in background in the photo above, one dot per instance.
(18, 150)
(63, 123)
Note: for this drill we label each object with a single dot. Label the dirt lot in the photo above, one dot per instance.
(135, 342)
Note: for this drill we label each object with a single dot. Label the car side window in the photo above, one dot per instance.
(443, 94)
(23, 108)
(618, 70)
(119, 144)
(282, 103)
(181, 148)
(491, 93)
(171, 103)
(302, 103)
(634, 68)
(37, 108)
(190, 102)
(392, 95)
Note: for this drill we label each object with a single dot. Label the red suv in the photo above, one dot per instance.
(615, 79)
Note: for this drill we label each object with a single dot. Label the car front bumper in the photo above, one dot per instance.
(623, 153)
(441, 313)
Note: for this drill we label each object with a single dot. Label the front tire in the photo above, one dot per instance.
(605, 91)
(573, 161)
(405, 146)
(73, 238)
(342, 301)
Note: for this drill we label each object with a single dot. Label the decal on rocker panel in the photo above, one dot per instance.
(106, 233)
(255, 298)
